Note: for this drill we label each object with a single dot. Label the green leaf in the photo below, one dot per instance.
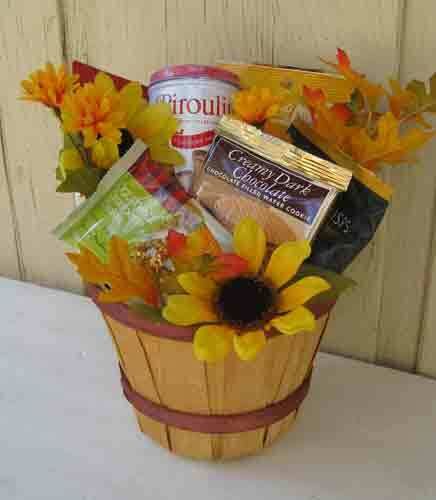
(357, 101)
(60, 172)
(339, 283)
(83, 181)
(71, 140)
(424, 98)
(147, 312)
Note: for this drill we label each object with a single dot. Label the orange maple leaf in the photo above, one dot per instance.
(405, 104)
(372, 92)
(196, 244)
(329, 122)
(388, 146)
(400, 100)
(125, 278)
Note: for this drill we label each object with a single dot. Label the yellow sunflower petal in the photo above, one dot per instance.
(285, 261)
(299, 320)
(212, 343)
(248, 345)
(186, 310)
(302, 291)
(249, 242)
(199, 286)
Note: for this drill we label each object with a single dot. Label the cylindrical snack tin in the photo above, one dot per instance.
(199, 96)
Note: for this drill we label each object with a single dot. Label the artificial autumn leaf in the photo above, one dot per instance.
(372, 92)
(155, 124)
(407, 104)
(329, 122)
(82, 180)
(196, 244)
(425, 99)
(227, 266)
(400, 100)
(342, 112)
(126, 278)
(387, 146)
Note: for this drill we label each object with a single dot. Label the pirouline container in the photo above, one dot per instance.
(209, 411)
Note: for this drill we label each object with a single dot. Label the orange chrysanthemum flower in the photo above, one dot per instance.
(256, 104)
(49, 86)
(96, 110)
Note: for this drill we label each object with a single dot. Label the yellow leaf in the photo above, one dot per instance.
(166, 154)
(387, 146)
(371, 91)
(329, 122)
(400, 100)
(155, 125)
(131, 99)
(126, 278)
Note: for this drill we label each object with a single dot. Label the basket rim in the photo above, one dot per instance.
(121, 313)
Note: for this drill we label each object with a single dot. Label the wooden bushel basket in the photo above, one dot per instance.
(209, 411)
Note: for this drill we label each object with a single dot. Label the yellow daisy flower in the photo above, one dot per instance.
(49, 86)
(237, 312)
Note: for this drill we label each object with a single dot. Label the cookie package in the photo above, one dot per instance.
(286, 189)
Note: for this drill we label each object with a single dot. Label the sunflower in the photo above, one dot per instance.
(237, 311)
(49, 86)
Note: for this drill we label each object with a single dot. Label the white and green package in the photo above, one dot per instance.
(137, 200)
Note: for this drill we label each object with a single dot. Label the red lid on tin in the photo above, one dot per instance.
(193, 71)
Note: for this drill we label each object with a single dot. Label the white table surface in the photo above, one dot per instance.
(66, 433)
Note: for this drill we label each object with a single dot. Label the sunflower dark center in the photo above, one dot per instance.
(244, 301)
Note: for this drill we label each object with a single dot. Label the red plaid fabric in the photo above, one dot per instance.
(162, 184)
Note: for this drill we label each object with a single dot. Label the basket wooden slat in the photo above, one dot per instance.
(167, 372)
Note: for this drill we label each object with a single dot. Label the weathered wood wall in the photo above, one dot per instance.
(389, 319)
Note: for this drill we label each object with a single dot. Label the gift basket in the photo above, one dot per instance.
(218, 208)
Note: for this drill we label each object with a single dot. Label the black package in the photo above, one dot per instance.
(355, 215)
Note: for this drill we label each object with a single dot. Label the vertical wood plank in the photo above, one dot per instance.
(181, 383)
(409, 320)
(31, 35)
(236, 386)
(302, 350)
(203, 31)
(9, 255)
(134, 361)
(368, 30)
(126, 38)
